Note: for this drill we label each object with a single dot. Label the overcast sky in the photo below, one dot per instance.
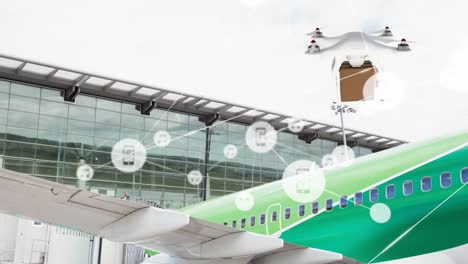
(252, 52)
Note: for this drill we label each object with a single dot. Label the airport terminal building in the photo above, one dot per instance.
(54, 119)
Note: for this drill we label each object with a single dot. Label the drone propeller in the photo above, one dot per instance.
(386, 32)
(313, 47)
(403, 40)
(317, 33)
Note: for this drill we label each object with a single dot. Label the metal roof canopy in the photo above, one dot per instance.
(37, 73)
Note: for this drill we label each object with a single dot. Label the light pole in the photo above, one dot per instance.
(343, 109)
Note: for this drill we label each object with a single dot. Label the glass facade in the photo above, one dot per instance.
(44, 136)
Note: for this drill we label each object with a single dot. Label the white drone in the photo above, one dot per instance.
(356, 41)
(355, 63)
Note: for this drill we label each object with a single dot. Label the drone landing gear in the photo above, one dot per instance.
(312, 49)
(403, 47)
(387, 33)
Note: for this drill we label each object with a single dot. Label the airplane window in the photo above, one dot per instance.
(408, 188)
(315, 207)
(234, 224)
(329, 204)
(464, 175)
(390, 191)
(262, 219)
(374, 195)
(273, 216)
(426, 184)
(243, 223)
(343, 201)
(301, 210)
(252, 220)
(287, 213)
(446, 180)
(358, 198)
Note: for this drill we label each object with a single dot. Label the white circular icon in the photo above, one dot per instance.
(261, 137)
(295, 125)
(128, 155)
(84, 172)
(380, 213)
(162, 139)
(343, 155)
(303, 181)
(195, 177)
(230, 151)
(329, 161)
(387, 90)
(452, 74)
(244, 201)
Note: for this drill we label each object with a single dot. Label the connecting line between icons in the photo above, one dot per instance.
(147, 133)
(219, 162)
(190, 133)
(279, 156)
(201, 129)
(164, 167)
(399, 238)
(296, 150)
(103, 165)
(159, 119)
(357, 73)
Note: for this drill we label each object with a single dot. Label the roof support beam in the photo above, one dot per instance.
(134, 91)
(81, 80)
(202, 105)
(193, 101)
(52, 73)
(70, 94)
(209, 120)
(259, 117)
(223, 109)
(183, 98)
(349, 143)
(277, 120)
(146, 108)
(109, 85)
(158, 96)
(309, 137)
(20, 67)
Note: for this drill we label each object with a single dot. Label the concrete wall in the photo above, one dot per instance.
(73, 246)
(31, 242)
(8, 230)
(23, 242)
(112, 253)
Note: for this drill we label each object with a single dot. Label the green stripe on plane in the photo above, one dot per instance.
(429, 221)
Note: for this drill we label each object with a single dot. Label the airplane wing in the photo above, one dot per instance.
(178, 236)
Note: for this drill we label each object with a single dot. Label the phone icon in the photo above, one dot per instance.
(128, 152)
(260, 137)
(304, 181)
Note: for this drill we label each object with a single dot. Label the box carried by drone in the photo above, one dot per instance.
(356, 83)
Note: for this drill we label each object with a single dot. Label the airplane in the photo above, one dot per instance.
(407, 204)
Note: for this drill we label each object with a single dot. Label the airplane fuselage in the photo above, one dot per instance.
(391, 205)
